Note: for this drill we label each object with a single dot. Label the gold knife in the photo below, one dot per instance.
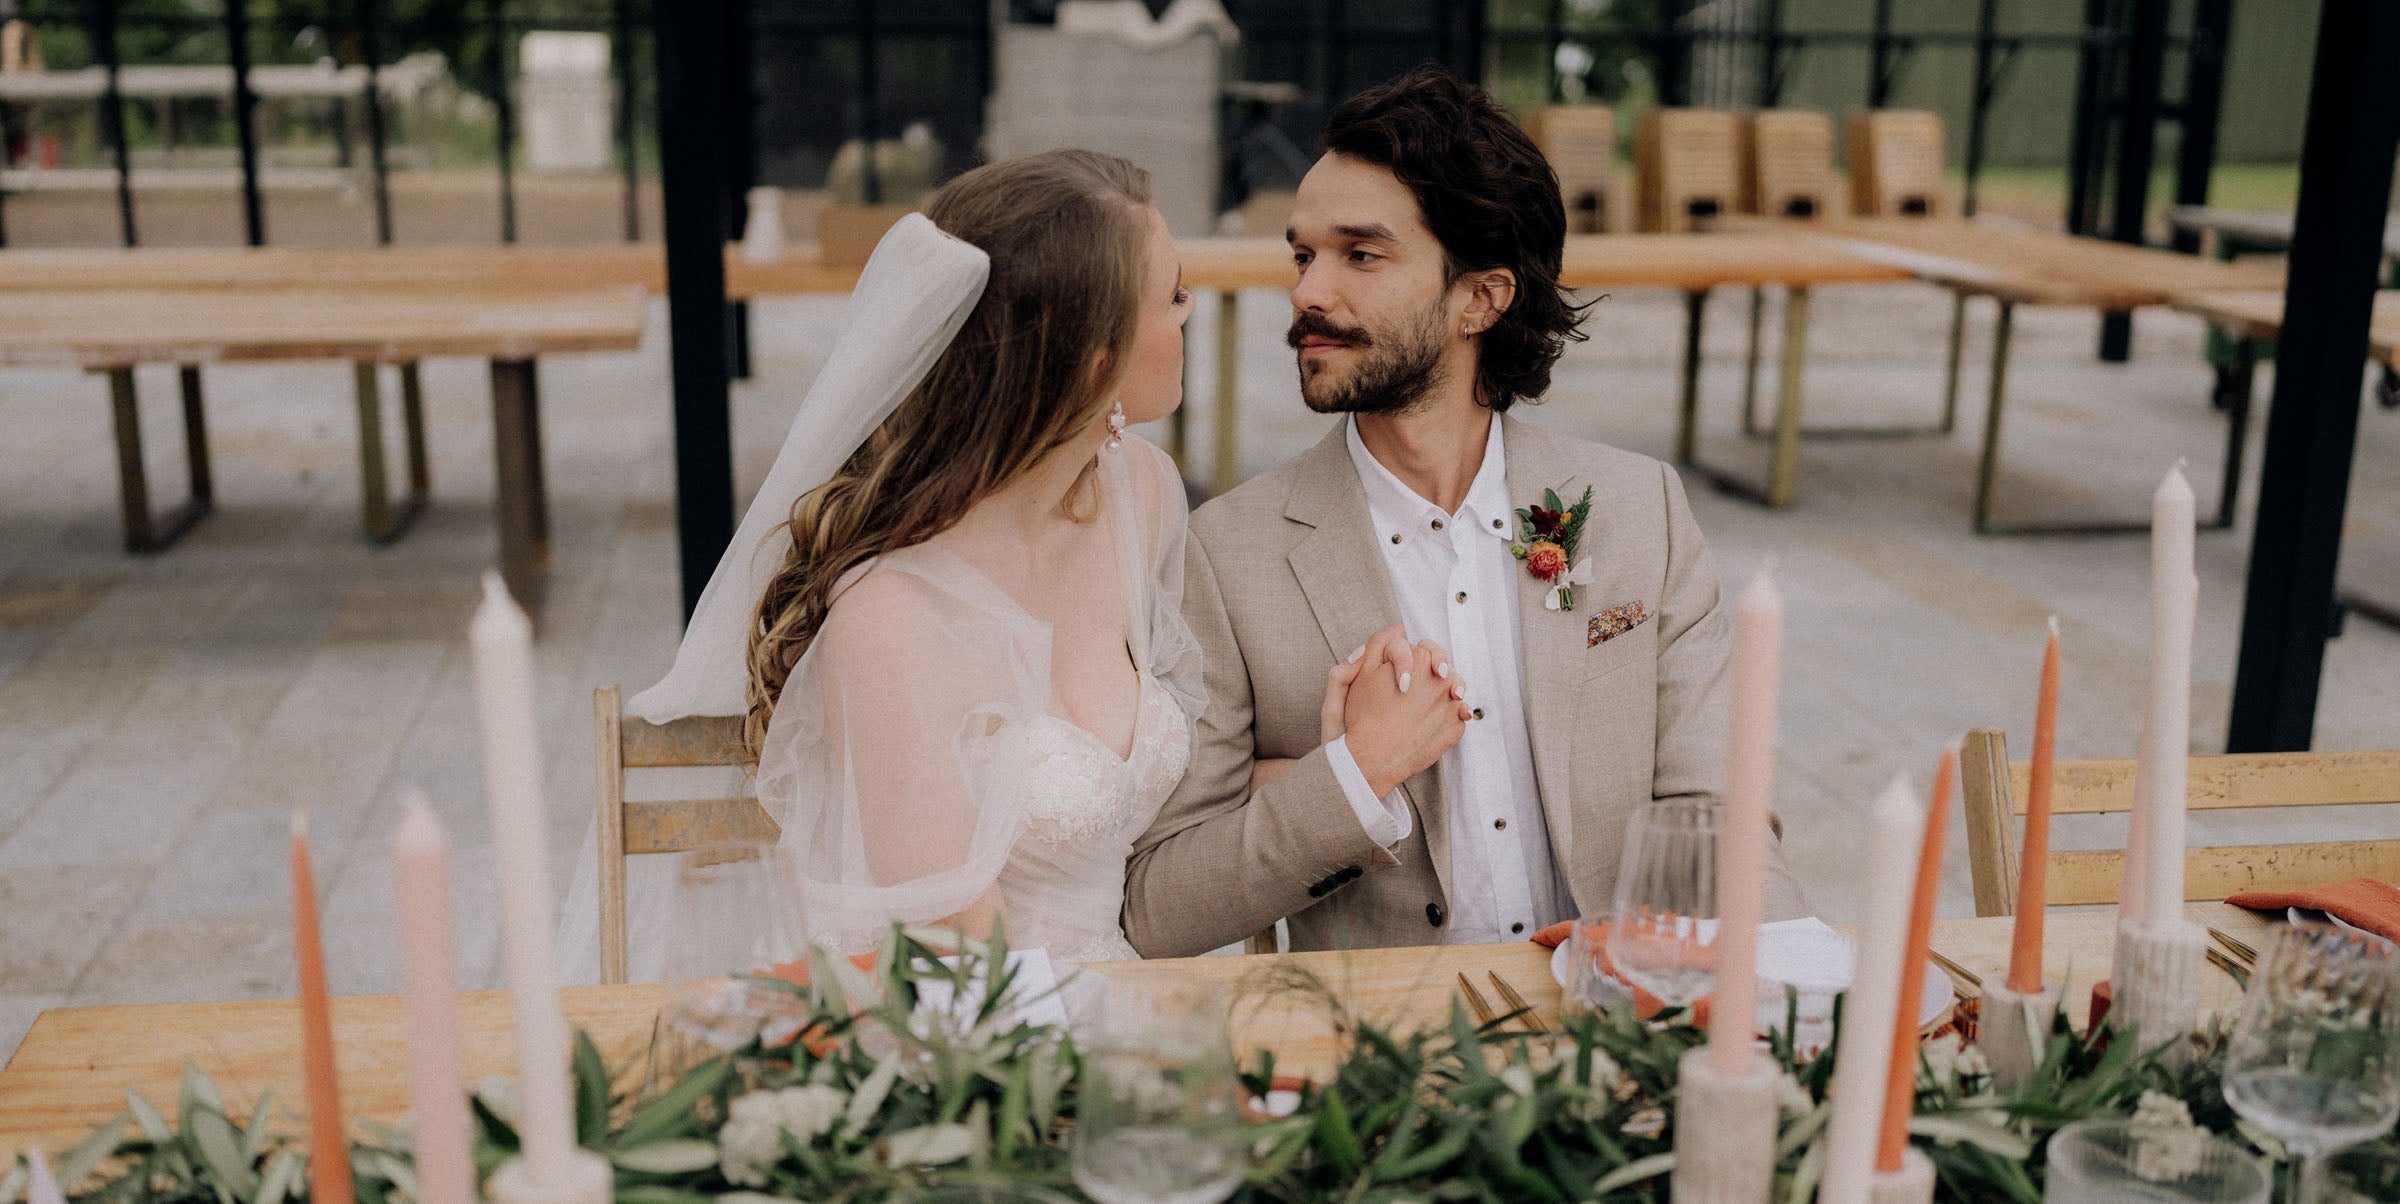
(1483, 1011)
(1524, 1010)
(1969, 983)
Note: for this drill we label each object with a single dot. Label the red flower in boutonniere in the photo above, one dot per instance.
(1547, 535)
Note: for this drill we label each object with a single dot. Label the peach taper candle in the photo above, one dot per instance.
(328, 1147)
(444, 1135)
(2033, 863)
(1742, 842)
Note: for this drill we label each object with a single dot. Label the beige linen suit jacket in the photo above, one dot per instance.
(1284, 577)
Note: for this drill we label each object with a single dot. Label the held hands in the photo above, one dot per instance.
(1398, 703)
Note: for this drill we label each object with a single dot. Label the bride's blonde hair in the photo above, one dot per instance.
(1066, 234)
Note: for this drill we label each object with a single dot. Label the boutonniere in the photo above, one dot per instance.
(1546, 538)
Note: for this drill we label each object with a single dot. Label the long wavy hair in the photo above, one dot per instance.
(1066, 233)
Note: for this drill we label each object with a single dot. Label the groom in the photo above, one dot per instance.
(1590, 664)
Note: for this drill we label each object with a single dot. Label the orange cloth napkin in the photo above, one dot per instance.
(1645, 1004)
(2372, 905)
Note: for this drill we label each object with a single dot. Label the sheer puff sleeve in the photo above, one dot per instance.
(1144, 485)
(889, 759)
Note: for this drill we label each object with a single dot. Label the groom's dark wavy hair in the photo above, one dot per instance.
(1066, 232)
(1490, 199)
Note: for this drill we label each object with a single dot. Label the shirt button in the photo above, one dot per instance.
(1437, 524)
(1501, 824)
(1495, 524)
(1462, 595)
(1479, 712)
(1519, 926)
(1395, 539)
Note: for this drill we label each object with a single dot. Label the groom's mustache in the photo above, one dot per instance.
(1318, 326)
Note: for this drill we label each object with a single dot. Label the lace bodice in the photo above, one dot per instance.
(1064, 882)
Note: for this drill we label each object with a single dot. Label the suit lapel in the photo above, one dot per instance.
(1342, 574)
(1550, 639)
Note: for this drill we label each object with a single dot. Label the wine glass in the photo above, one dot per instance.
(2314, 1059)
(1157, 1117)
(1663, 936)
(1589, 987)
(738, 926)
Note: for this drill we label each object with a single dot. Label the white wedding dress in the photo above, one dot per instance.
(917, 758)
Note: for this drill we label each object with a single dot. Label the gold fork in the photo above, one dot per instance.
(1968, 982)
(1524, 1010)
(2241, 952)
(1483, 1011)
(2240, 976)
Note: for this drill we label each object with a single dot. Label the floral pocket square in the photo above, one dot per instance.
(1614, 622)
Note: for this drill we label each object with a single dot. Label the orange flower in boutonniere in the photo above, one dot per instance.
(1546, 539)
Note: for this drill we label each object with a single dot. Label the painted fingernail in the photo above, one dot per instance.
(1362, 651)
(1404, 683)
(1442, 670)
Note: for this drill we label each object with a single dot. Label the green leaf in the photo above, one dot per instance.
(89, 1154)
(1334, 1137)
(200, 1088)
(871, 1094)
(1013, 1096)
(282, 1174)
(254, 1138)
(13, 1183)
(1967, 1132)
(652, 1193)
(216, 1146)
(152, 1124)
(1444, 1150)
(682, 1157)
(673, 1113)
(1634, 1172)
(591, 1092)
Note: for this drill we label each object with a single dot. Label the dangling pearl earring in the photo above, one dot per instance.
(1116, 423)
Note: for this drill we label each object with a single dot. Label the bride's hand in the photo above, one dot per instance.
(1395, 731)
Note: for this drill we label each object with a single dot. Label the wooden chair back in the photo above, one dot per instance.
(1787, 164)
(1895, 163)
(1996, 794)
(668, 826)
(1581, 143)
(1689, 161)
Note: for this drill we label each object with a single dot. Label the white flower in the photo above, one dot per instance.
(2163, 1110)
(1973, 1067)
(1518, 1077)
(1939, 1069)
(755, 1124)
(2166, 1144)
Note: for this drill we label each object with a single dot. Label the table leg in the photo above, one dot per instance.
(1783, 474)
(144, 533)
(384, 521)
(1687, 436)
(1958, 350)
(1758, 308)
(517, 460)
(412, 421)
(2238, 383)
(1989, 469)
(1229, 370)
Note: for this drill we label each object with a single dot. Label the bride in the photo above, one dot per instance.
(950, 615)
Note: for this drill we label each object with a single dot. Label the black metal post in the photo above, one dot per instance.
(1882, 65)
(103, 17)
(1770, 54)
(1987, 17)
(1675, 54)
(692, 113)
(245, 117)
(496, 32)
(2203, 101)
(2312, 432)
(2137, 146)
(370, 44)
(2094, 91)
(870, 103)
(628, 132)
(1554, 31)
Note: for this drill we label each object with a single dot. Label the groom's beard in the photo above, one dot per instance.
(1397, 369)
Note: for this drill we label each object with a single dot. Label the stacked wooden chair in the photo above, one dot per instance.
(1787, 164)
(1690, 168)
(1895, 163)
(1581, 143)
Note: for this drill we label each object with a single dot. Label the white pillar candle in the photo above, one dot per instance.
(2174, 596)
(501, 640)
(1742, 848)
(1862, 1062)
(444, 1137)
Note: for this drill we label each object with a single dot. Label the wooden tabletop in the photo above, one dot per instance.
(2271, 228)
(2258, 314)
(114, 328)
(2038, 267)
(72, 1070)
(1689, 261)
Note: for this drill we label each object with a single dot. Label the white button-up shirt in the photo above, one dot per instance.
(1457, 585)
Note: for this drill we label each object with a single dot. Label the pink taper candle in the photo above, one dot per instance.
(429, 961)
(328, 1146)
(1742, 846)
(2174, 594)
(2033, 863)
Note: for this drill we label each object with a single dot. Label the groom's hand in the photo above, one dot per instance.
(1394, 735)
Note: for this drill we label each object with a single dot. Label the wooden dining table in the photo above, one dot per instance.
(74, 1067)
(112, 331)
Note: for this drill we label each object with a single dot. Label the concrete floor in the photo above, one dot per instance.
(160, 717)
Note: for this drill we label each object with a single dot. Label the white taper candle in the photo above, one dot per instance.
(2173, 598)
(1862, 1062)
(501, 640)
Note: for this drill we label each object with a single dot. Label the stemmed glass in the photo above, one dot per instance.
(1664, 933)
(738, 921)
(2315, 1057)
(1157, 1118)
